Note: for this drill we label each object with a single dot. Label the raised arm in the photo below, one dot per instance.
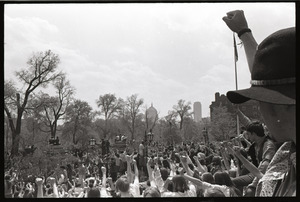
(103, 169)
(183, 160)
(150, 172)
(129, 173)
(225, 158)
(39, 182)
(52, 181)
(103, 190)
(199, 167)
(136, 172)
(252, 168)
(241, 137)
(237, 22)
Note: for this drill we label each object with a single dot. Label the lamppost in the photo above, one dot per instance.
(148, 140)
(205, 135)
(92, 143)
(150, 136)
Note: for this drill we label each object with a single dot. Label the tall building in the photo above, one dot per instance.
(197, 112)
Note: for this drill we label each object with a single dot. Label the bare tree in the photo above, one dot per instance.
(130, 113)
(53, 108)
(182, 110)
(41, 71)
(110, 106)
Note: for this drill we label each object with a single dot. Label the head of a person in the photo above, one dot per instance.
(151, 192)
(223, 178)
(201, 157)
(255, 130)
(273, 84)
(93, 193)
(216, 161)
(208, 177)
(164, 173)
(122, 184)
(213, 192)
(179, 183)
(208, 159)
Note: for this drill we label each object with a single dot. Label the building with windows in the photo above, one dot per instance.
(249, 108)
(197, 112)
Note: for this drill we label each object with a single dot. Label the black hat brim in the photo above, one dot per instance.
(279, 94)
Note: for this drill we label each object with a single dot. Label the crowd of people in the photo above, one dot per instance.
(183, 170)
(253, 164)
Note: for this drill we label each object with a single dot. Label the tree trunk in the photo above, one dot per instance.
(16, 134)
(74, 141)
(181, 123)
(15, 143)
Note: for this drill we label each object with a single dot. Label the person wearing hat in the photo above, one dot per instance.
(273, 83)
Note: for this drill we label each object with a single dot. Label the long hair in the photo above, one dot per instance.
(223, 178)
(179, 184)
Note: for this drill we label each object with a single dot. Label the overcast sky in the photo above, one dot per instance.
(161, 51)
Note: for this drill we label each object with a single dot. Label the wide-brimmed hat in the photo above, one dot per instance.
(273, 77)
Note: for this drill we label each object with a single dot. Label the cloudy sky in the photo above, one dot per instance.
(161, 51)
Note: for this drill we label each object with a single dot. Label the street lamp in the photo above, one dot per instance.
(205, 135)
(150, 136)
(92, 142)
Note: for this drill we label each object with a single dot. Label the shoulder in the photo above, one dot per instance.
(168, 194)
(269, 143)
(269, 147)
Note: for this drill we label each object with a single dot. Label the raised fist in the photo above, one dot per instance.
(51, 180)
(103, 169)
(236, 20)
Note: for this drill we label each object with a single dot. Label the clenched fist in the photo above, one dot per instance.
(236, 20)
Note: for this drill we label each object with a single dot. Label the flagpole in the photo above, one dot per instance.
(236, 83)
